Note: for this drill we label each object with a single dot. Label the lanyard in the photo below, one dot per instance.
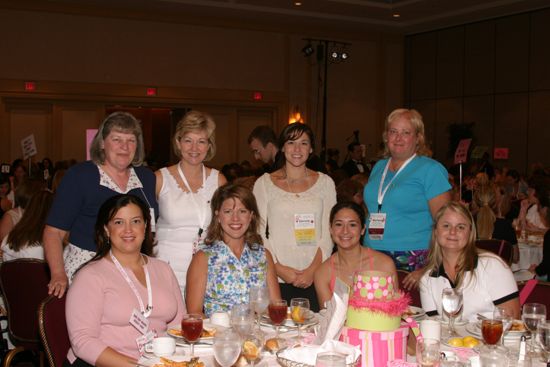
(382, 193)
(201, 213)
(145, 311)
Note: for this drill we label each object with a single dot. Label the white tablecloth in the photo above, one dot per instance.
(206, 354)
(528, 254)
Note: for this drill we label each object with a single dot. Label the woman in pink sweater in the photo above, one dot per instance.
(121, 298)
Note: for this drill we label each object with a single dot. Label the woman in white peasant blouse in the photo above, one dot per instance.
(294, 203)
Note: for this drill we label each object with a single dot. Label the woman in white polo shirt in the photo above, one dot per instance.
(454, 261)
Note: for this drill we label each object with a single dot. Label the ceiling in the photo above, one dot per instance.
(311, 16)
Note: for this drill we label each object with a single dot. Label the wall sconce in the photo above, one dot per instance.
(296, 116)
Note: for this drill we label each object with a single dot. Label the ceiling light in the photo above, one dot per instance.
(396, 15)
(344, 55)
(307, 50)
(335, 55)
(298, 3)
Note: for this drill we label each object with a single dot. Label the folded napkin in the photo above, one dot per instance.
(332, 319)
(308, 353)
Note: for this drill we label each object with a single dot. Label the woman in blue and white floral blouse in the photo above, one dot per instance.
(232, 259)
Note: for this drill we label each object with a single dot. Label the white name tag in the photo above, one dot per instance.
(377, 224)
(304, 229)
(153, 220)
(139, 321)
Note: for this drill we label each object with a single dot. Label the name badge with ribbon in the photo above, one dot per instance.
(304, 229)
(377, 224)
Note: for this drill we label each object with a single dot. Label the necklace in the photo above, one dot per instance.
(288, 184)
(350, 278)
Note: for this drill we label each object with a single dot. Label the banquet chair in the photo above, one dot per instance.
(414, 293)
(24, 284)
(502, 248)
(53, 330)
(539, 294)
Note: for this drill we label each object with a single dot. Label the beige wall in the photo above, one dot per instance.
(82, 64)
(493, 73)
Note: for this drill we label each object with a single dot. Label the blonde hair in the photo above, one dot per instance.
(485, 199)
(194, 121)
(468, 257)
(415, 118)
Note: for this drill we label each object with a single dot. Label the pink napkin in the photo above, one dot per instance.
(526, 291)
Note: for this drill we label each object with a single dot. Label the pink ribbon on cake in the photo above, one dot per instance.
(394, 308)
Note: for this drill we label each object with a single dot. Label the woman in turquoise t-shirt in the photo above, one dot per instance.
(404, 192)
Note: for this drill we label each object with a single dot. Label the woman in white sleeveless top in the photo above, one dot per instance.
(184, 191)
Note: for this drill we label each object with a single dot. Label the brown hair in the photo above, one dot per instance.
(415, 118)
(194, 121)
(107, 211)
(122, 122)
(234, 191)
(26, 189)
(28, 231)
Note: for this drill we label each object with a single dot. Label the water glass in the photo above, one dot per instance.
(503, 314)
(299, 311)
(451, 301)
(258, 297)
(252, 347)
(531, 315)
(543, 340)
(493, 356)
(428, 352)
(330, 359)
(227, 347)
(242, 318)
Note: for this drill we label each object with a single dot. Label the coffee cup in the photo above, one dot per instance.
(220, 318)
(430, 329)
(162, 346)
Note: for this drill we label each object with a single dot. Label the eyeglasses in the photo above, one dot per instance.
(404, 133)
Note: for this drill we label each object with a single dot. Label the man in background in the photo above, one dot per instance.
(263, 143)
(355, 164)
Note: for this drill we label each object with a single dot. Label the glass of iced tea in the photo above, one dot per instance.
(491, 330)
(277, 314)
(191, 329)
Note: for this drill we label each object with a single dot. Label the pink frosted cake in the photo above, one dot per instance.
(375, 304)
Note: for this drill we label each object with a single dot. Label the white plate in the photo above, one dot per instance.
(180, 352)
(475, 329)
(311, 320)
(154, 360)
(415, 312)
(512, 334)
(206, 325)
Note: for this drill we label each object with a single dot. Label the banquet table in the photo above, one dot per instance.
(206, 353)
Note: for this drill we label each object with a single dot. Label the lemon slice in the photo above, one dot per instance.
(250, 350)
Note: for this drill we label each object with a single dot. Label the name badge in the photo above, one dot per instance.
(304, 229)
(153, 220)
(377, 224)
(143, 340)
(139, 321)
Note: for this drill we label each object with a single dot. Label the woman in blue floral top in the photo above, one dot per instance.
(232, 259)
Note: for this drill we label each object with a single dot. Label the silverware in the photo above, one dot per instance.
(481, 317)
